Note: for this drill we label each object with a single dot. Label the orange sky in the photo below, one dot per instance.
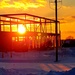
(66, 14)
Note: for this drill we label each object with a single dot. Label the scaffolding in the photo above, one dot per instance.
(26, 32)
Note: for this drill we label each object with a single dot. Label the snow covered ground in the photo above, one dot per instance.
(39, 63)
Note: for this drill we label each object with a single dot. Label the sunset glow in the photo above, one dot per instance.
(21, 29)
(66, 14)
(25, 4)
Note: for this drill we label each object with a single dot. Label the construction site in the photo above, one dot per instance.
(25, 32)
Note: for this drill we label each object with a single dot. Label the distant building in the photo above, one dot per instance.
(68, 43)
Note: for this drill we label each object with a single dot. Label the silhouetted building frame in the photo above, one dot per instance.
(39, 35)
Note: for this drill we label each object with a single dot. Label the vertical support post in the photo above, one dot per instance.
(34, 24)
(25, 22)
(11, 54)
(30, 27)
(40, 25)
(11, 48)
(60, 34)
(2, 54)
(0, 24)
(45, 36)
(10, 26)
(56, 31)
(0, 32)
(40, 33)
(50, 28)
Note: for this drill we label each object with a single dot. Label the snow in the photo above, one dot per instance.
(38, 63)
(34, 72)
(70, 72)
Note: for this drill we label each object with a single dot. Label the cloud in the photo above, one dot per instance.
(36, 7)
(25, 4)
(72, 32)
(67, 34)
(65, 7)
(41, 1)
(67, 19)
(73, 17)
(66, 11)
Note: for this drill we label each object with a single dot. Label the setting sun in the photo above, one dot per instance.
(21, 29)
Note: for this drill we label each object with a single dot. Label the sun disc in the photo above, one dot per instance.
(21, 29)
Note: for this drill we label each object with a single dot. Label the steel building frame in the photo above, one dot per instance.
(38, 35)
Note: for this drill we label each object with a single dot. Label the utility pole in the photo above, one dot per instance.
(55, 2)
(56, 30)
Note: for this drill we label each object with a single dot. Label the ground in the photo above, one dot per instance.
(40, 60)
